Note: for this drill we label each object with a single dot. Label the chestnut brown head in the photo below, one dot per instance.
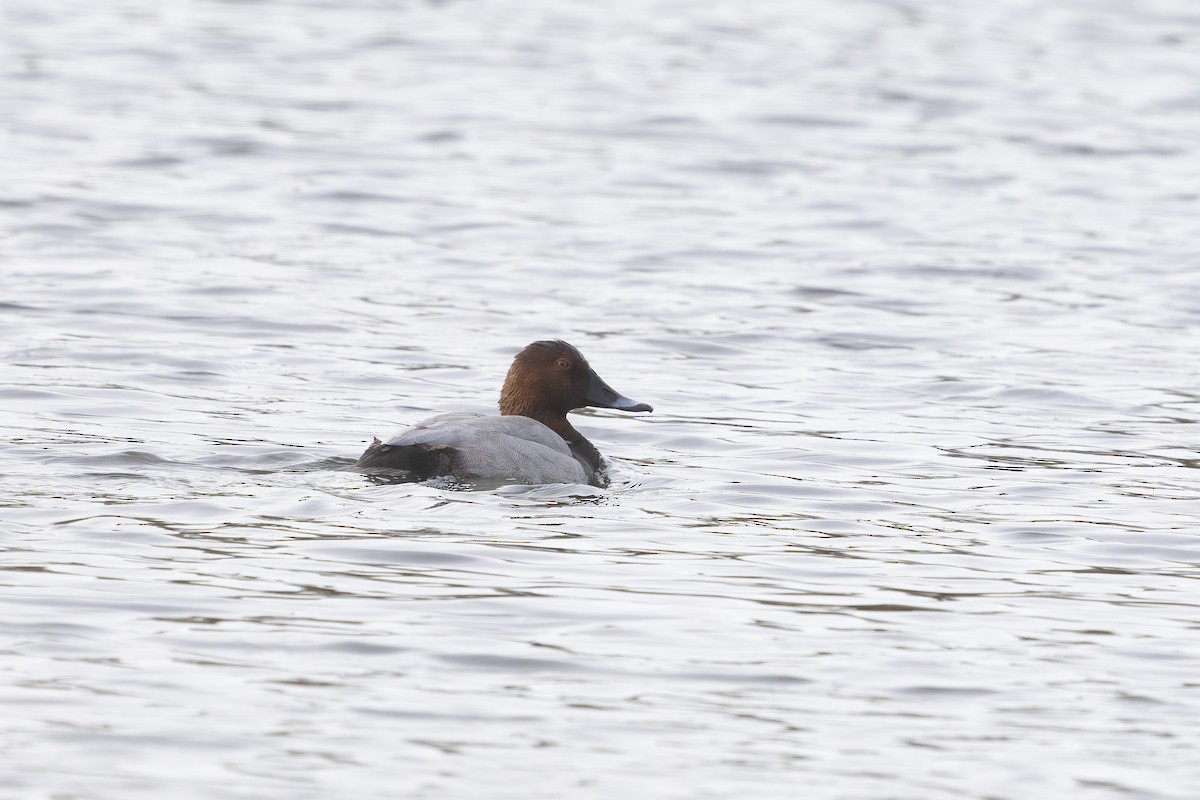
(550, 378)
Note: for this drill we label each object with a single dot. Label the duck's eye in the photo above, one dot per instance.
(563, 363)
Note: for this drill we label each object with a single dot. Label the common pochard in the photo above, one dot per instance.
(530, 442)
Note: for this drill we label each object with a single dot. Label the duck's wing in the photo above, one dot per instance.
(475, 447)
(444, 429)
(418, 453)
(514, 449)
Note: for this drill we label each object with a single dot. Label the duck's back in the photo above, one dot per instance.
(476, 447)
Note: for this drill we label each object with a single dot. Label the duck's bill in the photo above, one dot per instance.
(601, 395)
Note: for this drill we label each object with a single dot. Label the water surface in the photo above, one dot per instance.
(913, 291)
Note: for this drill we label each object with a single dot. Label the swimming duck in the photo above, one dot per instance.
(530, 442)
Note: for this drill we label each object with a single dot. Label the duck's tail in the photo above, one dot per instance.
(413, 462)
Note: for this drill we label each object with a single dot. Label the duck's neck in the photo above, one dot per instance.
(554, 420)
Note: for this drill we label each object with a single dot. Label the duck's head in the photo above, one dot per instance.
(548, 379)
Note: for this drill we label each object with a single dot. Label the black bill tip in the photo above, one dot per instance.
(601, 395)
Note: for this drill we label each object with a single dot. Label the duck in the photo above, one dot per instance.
(531, 442)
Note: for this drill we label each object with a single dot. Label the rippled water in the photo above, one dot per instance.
(913, 288)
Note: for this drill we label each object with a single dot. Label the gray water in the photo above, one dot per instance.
(913, 288)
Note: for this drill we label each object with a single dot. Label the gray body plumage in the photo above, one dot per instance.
(508, 449)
